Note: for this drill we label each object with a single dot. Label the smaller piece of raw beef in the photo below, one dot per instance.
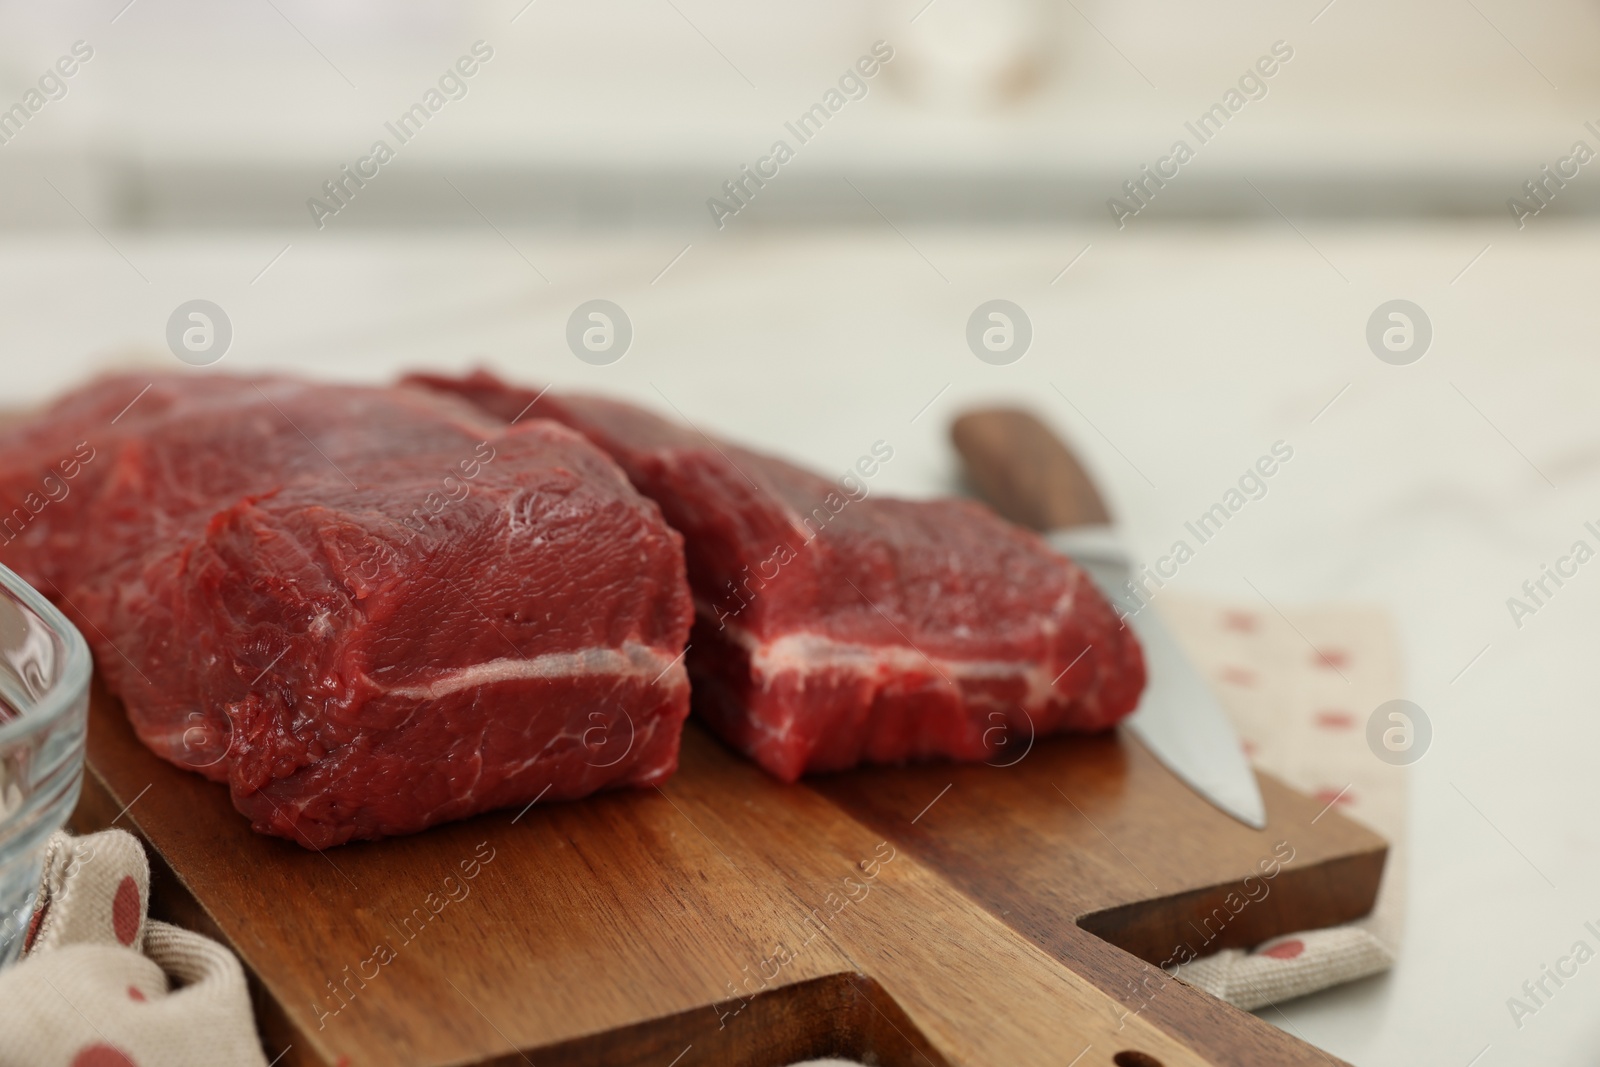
(834, 629)
(366, 610)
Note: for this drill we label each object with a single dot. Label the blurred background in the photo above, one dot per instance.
(1174, 338)
(195, 116)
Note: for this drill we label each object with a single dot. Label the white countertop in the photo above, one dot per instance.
(1173, 358)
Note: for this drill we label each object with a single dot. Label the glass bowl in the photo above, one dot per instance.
(44, 711)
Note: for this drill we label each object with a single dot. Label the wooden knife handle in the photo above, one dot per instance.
(1024, 471)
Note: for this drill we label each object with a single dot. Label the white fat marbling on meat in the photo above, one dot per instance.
(632, 659)
(800, 653)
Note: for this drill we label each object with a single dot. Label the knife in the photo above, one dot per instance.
(1029, 476)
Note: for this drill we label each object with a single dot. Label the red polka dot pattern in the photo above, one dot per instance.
(1340, 797)
(134, 993)
(1332, 658)
(126, 911)
(1284, 950)
(1239, 676)
(33, 926)
(102, 1056)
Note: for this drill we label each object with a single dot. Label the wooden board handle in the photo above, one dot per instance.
(1024, 471)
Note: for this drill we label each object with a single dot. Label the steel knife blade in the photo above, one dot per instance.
(1178, 718)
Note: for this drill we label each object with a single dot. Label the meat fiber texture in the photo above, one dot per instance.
(367, 610)
(833, 629)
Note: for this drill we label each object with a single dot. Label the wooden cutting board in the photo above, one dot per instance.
(932, 915)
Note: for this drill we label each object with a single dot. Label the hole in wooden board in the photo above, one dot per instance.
(846, 1015)
(1132, 1058)
(1169, 930)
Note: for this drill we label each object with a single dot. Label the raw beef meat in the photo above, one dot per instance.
(834, 629)
(365, 610)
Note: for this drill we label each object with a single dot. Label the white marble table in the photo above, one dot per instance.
(1173, 358)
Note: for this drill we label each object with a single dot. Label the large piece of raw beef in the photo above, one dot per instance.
(365, 610)
(833, 628)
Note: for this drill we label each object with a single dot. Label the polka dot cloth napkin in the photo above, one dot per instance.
(1300, 689)
(102, 985)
